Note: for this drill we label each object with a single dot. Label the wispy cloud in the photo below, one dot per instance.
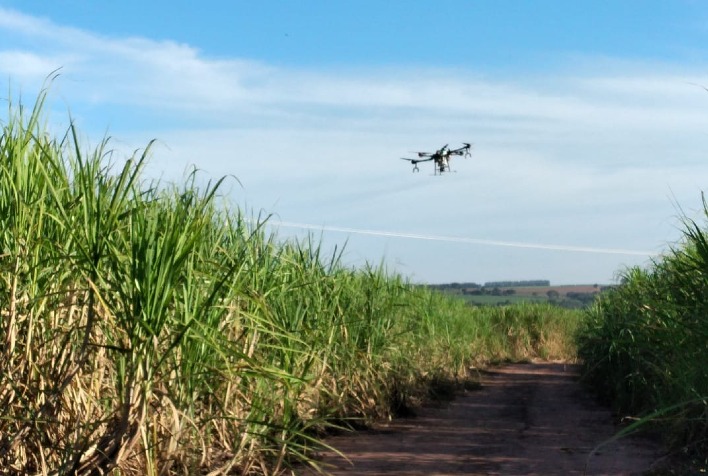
(173, 76)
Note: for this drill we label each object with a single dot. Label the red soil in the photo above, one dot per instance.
(528, 419)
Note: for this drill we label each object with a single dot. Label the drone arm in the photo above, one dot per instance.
(464, 150)
(417, 161)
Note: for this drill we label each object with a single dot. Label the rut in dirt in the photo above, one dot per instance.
(528, 419)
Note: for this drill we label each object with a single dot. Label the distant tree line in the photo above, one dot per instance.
(571, 299)
(492, 284)
(454, 286)
(517, 284)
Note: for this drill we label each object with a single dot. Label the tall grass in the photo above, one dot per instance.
(645, 344)
(147, 328)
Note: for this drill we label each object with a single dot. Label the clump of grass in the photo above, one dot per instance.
(534, 331)
(149, 328)
(645, 344)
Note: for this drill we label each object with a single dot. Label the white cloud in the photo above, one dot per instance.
(25, 65)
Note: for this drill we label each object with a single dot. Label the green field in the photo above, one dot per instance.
(645, 346)
(502, 300)
(153, 328)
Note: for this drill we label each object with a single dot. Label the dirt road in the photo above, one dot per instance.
(528, 419)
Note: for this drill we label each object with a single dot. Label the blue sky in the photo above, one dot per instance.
(588, 126)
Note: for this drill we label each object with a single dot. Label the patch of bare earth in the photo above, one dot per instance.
(528, 419)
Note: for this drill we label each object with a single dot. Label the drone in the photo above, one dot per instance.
(441, 158)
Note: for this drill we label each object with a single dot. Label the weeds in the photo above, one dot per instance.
(645, 344)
